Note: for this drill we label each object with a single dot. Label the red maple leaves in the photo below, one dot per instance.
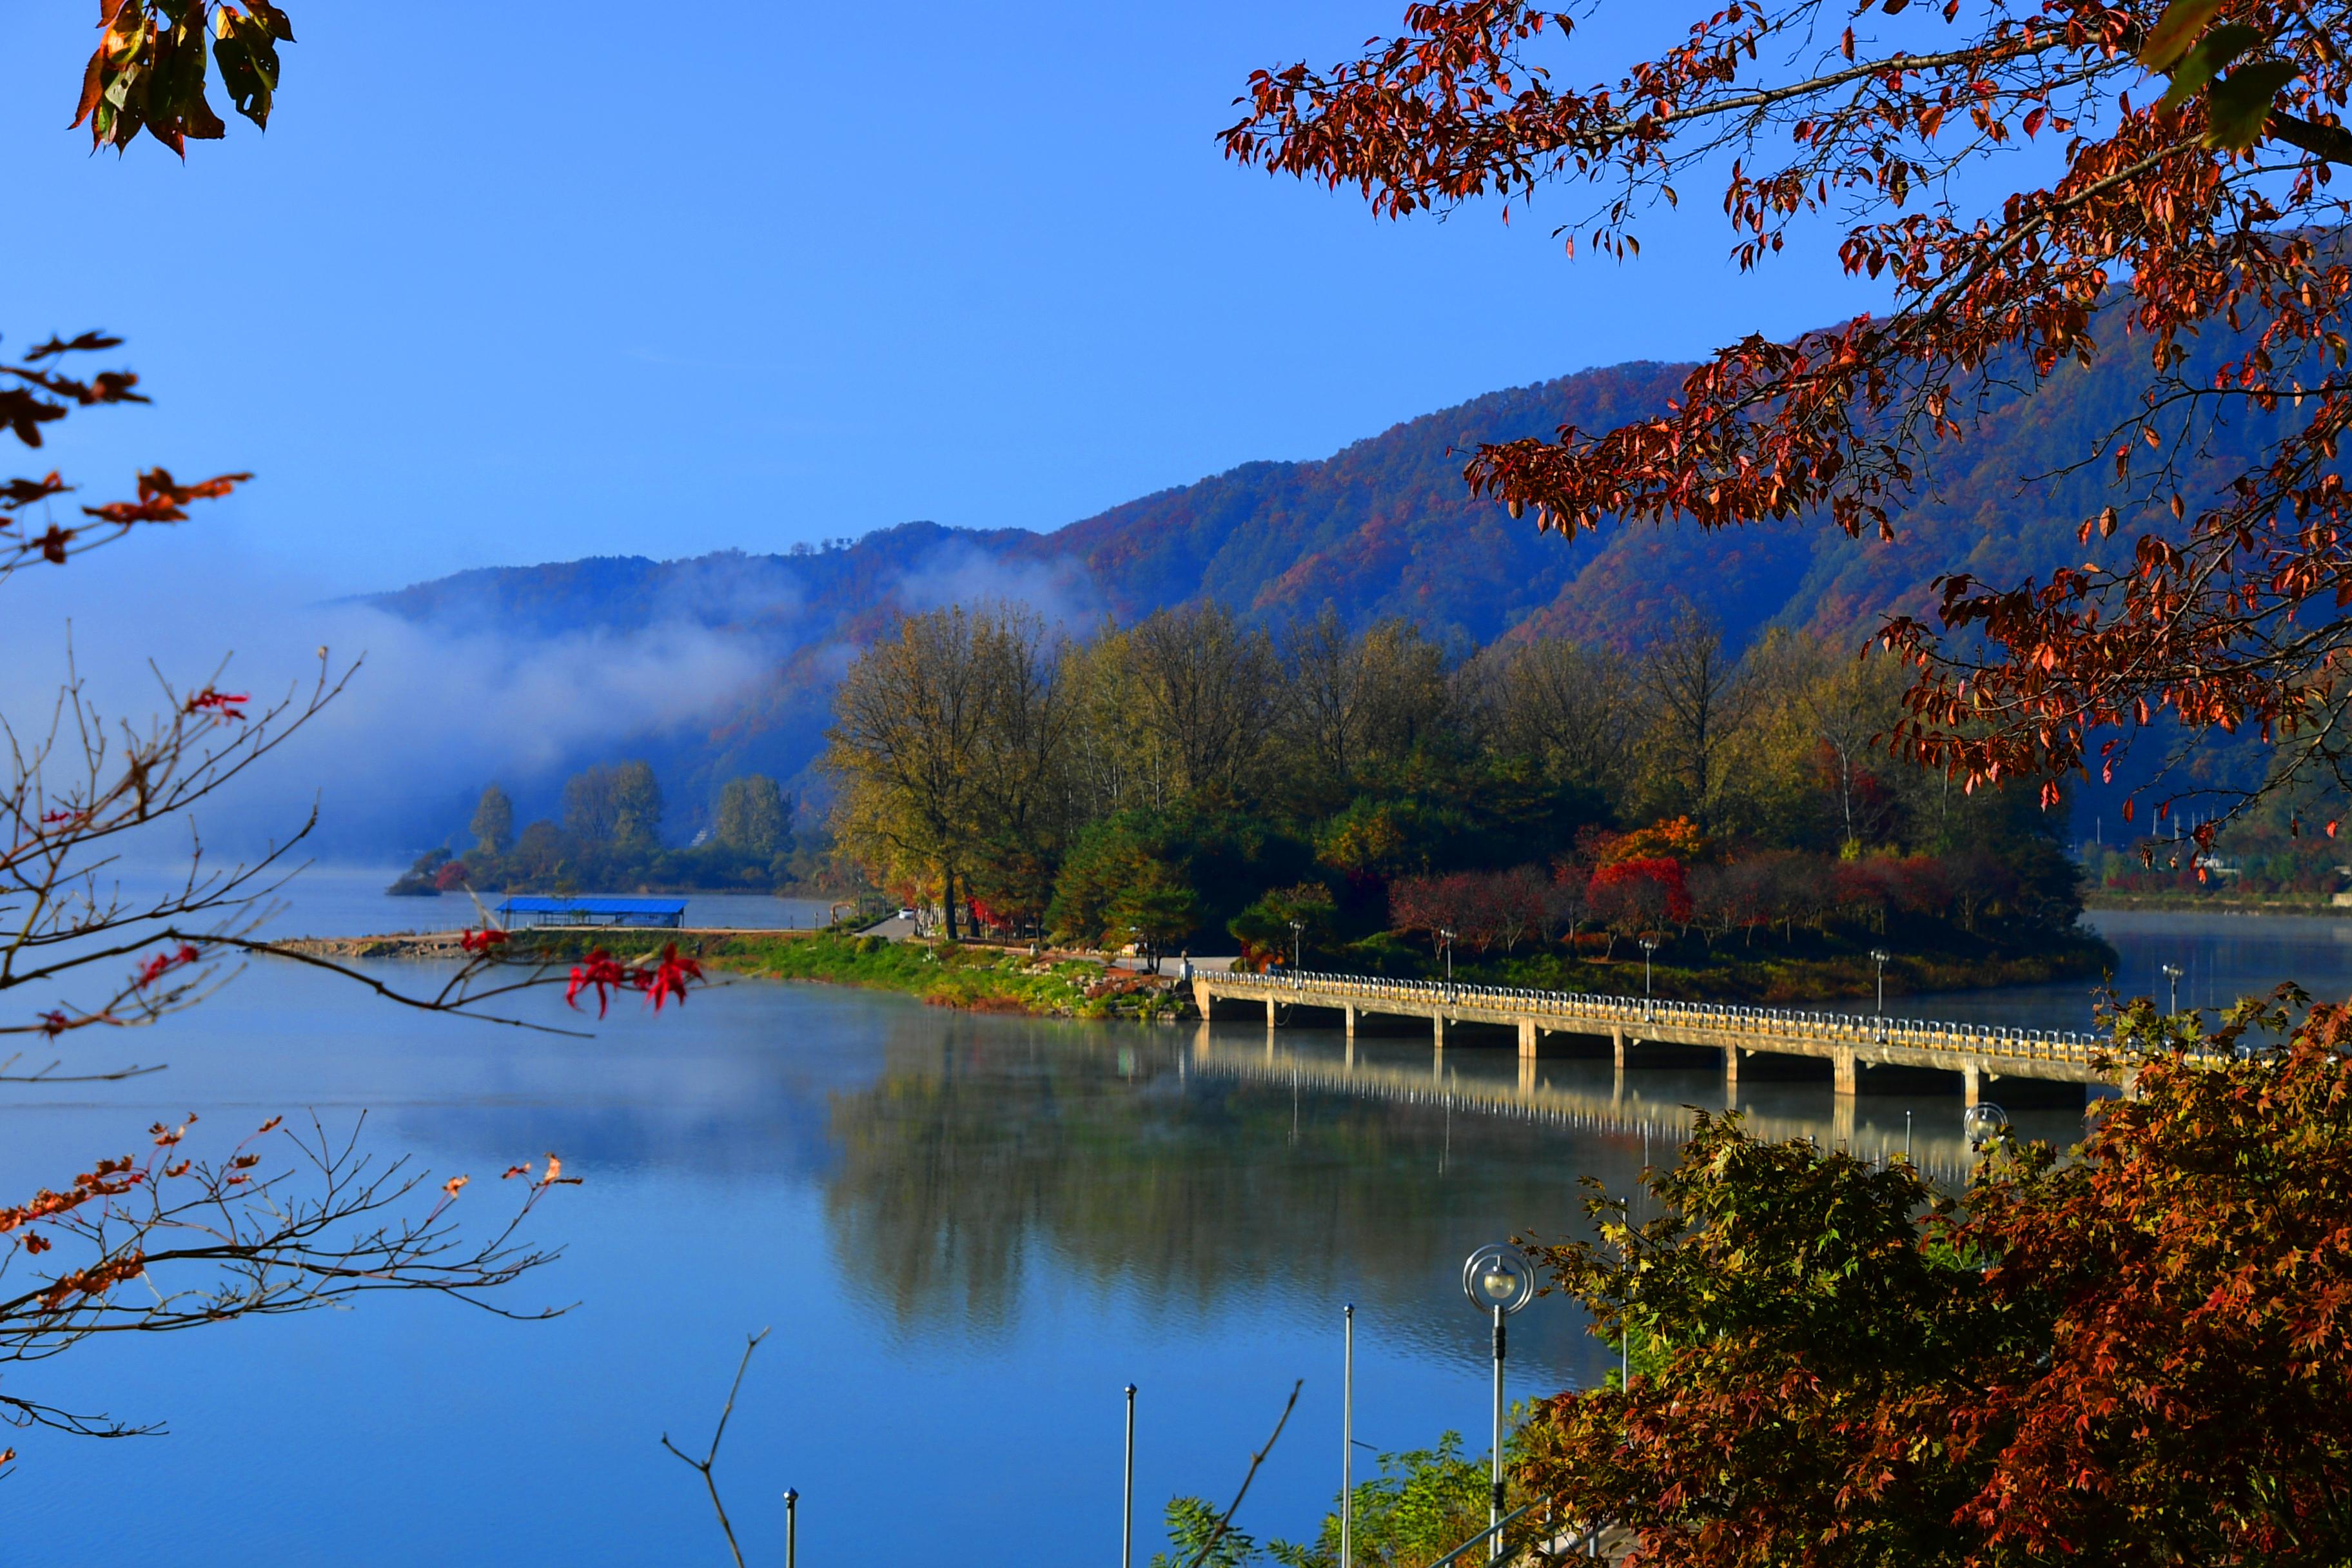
(659, 978)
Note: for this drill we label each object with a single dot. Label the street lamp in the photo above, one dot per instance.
(2173, 971)
(1299, 945)
(1649, 946)
(1445, 934)
(1981, 1124)
(1127, 1508)
(1497, 1278)
(1878, 956)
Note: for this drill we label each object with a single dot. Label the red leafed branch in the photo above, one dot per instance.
(2194, 211)
(659, 977)
(279, 1222)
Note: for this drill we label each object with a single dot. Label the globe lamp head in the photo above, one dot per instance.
(1497, 1280)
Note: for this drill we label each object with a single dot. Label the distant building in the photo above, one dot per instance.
(657, 913)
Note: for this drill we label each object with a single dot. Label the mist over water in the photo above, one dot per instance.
(968, 1231)
(433, 713)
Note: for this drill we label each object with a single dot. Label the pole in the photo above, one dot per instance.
(1127, 1508)
(1906, 1135)
(792, 1526)
(1348, 1443)
(1494, 1502)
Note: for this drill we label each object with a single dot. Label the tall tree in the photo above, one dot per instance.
(637, 806)
(591, 810)
(1204, 689)
(1698, 699)
(751, 818)
(946, 734)
(2205, 598)
(493, 823)
(1568, 708)
(1349, 702)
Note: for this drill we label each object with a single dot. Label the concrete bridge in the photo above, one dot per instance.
(1851, 1044)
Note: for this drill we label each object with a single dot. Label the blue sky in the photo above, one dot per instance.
(505, 286)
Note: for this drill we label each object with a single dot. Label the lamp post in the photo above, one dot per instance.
(2173, 971)
(1878, 957)
(1649, 946)
(791, 1527)
(1127, 1507)
(1497, 1278)
(1445, 934)
(1347, 1442)
(1299, 945)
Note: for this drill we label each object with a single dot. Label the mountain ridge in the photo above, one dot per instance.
(1382, 527)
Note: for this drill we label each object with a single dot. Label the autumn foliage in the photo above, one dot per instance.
(148, 72)
(2194, 147)
(2138, 1355)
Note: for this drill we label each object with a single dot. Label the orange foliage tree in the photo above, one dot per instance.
(2137, 1356)
(2199, 205)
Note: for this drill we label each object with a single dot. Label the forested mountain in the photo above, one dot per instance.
(1383, 528)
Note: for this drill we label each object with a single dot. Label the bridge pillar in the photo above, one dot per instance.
(1527, 1074)
(1731, 1069)
(1527, 1039)
(1617, 1037)
(1269, 1011)
(1841, 1069)
(1972, 1087)
(1437, 1030)
(1350, 1011)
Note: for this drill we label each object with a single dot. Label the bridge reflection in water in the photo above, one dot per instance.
(1579, 1097)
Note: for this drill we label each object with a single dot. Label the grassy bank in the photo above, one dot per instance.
(946, 974)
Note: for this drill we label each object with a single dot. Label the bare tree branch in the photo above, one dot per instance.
(751, 1343)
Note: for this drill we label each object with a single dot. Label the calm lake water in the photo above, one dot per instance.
(967, 1232)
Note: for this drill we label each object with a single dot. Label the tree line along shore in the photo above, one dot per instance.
(1535, 812)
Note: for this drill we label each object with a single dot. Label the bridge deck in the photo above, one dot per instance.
(1850, 1042)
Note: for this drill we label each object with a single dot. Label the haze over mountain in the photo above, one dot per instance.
(1383, 528)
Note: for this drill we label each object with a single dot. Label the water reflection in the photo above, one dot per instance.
(984, 1151)
(1199, 1168)
(969, 1231)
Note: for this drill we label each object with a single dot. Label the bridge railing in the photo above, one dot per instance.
(1823, 1027)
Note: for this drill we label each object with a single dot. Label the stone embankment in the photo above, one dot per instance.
(399, 944)
(552, 939)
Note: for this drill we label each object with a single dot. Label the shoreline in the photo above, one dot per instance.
(2300, 905)
(1061, 984)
